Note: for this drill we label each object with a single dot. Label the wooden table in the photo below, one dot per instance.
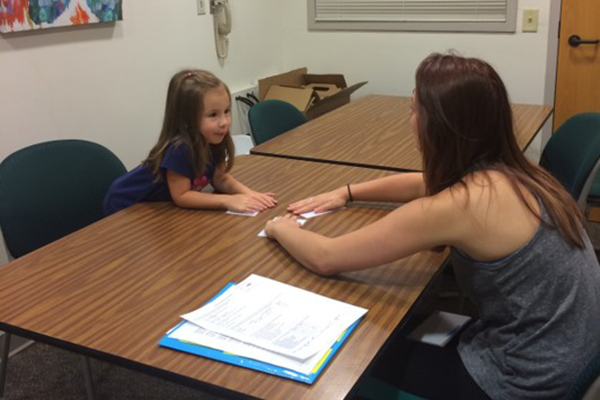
(113, 289)
(375, 132)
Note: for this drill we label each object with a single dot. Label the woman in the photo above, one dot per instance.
(519, 248)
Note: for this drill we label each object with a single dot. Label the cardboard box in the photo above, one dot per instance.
(312, 94)
(323, 90)
(301, 98)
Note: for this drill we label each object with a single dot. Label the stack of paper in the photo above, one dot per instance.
(292, 330)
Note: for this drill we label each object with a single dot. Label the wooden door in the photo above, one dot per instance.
(578, 75)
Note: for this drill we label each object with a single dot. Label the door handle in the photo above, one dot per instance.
(575, 40)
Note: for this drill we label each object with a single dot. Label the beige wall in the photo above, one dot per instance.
(108, 83)
(388, 59)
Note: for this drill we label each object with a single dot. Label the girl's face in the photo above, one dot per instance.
(215, 120)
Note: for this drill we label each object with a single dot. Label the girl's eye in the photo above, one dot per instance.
(212, 115)
(228, 111)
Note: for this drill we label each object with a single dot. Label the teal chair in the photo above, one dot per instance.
(271, 118)
(48, 191)
(572, 155)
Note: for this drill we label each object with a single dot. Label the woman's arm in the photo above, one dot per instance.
(419, 225)
(399, 188)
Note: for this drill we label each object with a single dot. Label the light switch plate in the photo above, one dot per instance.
(201, 7)
(530, 19)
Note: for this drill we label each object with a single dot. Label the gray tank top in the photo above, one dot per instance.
(539, 311)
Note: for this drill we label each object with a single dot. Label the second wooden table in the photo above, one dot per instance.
(375, 132)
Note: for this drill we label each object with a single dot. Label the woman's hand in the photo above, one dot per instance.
(288, 220)
(323, 202)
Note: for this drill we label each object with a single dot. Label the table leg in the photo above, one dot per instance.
(4, 361)
(87, 374)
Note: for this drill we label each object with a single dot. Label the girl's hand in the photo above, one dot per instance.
(323, 202)
(288, 220)
(266, 199)
(243, 203)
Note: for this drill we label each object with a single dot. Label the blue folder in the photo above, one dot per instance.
(250, 363)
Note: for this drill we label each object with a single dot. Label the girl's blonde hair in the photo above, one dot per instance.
(181, 124)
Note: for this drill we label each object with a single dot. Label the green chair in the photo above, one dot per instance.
(271, 118)
(572, 154)
(48, 191)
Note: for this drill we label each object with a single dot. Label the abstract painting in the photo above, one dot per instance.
(26, 15)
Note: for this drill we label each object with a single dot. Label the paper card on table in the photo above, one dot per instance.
(243, 214)
(277, 317)
(263, 233)
(439, 328)
(312, 214)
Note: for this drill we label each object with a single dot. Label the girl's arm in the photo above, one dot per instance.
(400, 188)
(226, 183)
(419, 225)
(183, 196)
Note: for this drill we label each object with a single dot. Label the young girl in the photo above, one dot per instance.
(194, 148)
(518, 246)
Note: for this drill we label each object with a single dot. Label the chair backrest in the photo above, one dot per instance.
(572, 154)
(51, 189)
(587, 377)
(271, 118)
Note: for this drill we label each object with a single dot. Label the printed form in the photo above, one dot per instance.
(277, 317)
(189, 332)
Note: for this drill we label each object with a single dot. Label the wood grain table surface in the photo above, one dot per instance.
(113, 289)
(374, 131)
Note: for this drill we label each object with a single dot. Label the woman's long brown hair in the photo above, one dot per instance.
(465, 125)
(181, 124)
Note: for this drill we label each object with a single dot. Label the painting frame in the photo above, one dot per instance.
(31, 15)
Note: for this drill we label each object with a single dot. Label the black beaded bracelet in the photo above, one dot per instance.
(349, 193)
